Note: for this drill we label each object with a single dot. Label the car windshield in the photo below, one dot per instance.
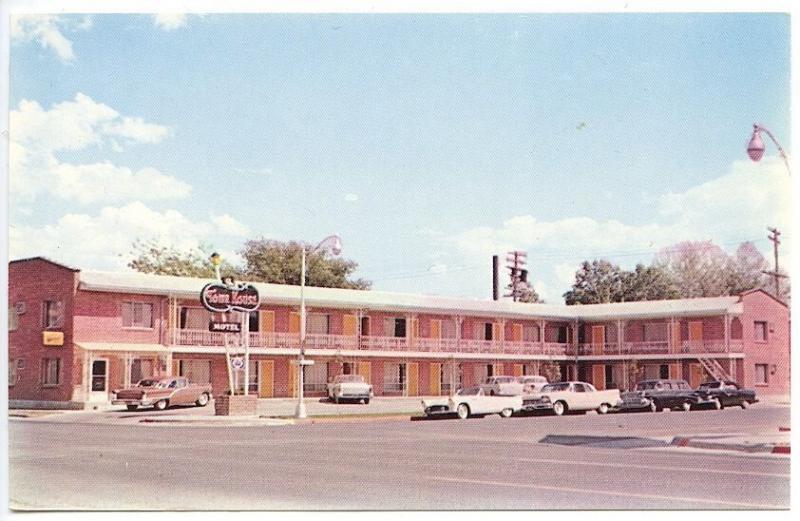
(711, 385)
(503, 379)
(163, 384)
(147, 382)
(469, 391)
(646, 386)
(350, 379)
(555, 388)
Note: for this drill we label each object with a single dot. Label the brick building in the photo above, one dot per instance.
(76, 335)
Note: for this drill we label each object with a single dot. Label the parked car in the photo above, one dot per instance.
(728, 393)
(635, 401)
(474, 401)
(562, 397)
(674, 395)
(437, 406)
(161, 393)
(506, 385)
(531, 384)
(350, 387)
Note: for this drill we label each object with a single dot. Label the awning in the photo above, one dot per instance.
(121, 347)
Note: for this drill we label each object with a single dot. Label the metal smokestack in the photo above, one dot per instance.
(495, 277)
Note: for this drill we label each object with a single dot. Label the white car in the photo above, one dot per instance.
(574, 396)
(349, 387)
(507, 385)
(474, 401)
(532, 384)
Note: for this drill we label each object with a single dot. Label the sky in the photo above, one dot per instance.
(427, 142)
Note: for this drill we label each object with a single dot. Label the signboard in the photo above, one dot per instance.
(217, 297)
(225, 327)
(237, 363)
(53, 338)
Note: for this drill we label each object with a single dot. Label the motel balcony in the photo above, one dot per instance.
(652, 348)
(199, 337)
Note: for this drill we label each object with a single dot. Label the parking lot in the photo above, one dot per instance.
(477, 463)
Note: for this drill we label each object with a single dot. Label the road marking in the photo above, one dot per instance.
(609, 493)
(652, 467)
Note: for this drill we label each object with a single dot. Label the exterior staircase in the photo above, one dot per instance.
(715, 369)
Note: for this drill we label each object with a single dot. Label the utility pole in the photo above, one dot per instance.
(519, 275)
(776, 274)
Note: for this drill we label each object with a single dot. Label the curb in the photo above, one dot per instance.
(352, 419)
(768, 448)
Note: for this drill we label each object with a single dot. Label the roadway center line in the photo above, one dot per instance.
(652, 467)
(610, 493)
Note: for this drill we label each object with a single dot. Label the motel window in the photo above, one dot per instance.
(318, 324)
(12, 372)
(315, 378)
(137, 314)
(196, 371)
(654, 332)
(238, 379)
(141, 368)
(51, 371)
(394, 326)
(394, 377)
(13, 318)
(760, 331)
(663, 371)
(482, 372)
(348, 368)
(195, 318)
(562, 335)
(530, 333)
(484, 331)
(451, 377)
(52, 314)
(449, 329)
(253, 322)
(762, 377)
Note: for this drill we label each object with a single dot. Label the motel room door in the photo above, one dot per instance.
(99, 380)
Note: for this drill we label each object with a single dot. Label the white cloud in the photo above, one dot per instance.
(103, 240)
(38, 135)
(734, 207)
(438, 268)
(45, 30)
(351, 198)
(229, 225)
(170, 21)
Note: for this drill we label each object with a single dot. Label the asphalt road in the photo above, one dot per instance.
(481, 463)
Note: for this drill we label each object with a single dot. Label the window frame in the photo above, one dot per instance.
(46, 372)
(133, 306)
(765, 381)
(756, 326)
(46, 313)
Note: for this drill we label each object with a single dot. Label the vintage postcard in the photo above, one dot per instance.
(391, 258)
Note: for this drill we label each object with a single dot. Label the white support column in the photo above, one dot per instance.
(542, 328)
(620, 336)
(87, 375)
(727, 333)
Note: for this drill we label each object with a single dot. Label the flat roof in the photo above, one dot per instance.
(189, 287)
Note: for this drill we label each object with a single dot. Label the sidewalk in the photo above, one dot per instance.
(778, 442)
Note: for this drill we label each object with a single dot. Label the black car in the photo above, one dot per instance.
(728, 393)
(671, 394)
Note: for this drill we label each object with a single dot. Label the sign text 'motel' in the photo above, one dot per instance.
(219, 298)
(225, 327)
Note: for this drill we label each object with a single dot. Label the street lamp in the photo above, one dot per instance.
(755, 149)
(333, 243)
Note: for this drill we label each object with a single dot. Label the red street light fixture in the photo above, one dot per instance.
(755, 149)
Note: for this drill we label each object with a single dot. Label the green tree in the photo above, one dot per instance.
(596, 282)
(279, 263)
(152, 257)
(698, 269)
(528, 295)
(647, 283)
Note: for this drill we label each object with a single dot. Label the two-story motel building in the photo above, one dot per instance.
(76, 335)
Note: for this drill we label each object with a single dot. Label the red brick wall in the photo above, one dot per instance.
(775, 352)
(34, 281)
(98, 318)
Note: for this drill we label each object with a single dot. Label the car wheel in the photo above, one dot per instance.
(507, 412)
(366, 401)
(745, 404)
(463, 411)
(160, 405)
(717, 404)
(654, 406)
(132, 407)
(559, 408)
(202, 401)
(491, 393)
(336, 399)
(603, 409)
(686, 406)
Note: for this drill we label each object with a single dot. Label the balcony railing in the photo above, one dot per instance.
(195, 337)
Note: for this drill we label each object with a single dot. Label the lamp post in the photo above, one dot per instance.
(334, 244)
(755, 148)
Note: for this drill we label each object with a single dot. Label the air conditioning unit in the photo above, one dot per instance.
(20, 308)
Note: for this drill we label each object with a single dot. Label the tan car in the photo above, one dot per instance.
(161, 393)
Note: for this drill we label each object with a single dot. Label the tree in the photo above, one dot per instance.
(551, 371)
(647, 283)
(528, 295)
(746, 270)
(264, 261)
(279, 263)
(596, 282)
(152, 257)
(698, 269)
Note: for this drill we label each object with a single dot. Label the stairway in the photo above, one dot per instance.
(715, 369)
